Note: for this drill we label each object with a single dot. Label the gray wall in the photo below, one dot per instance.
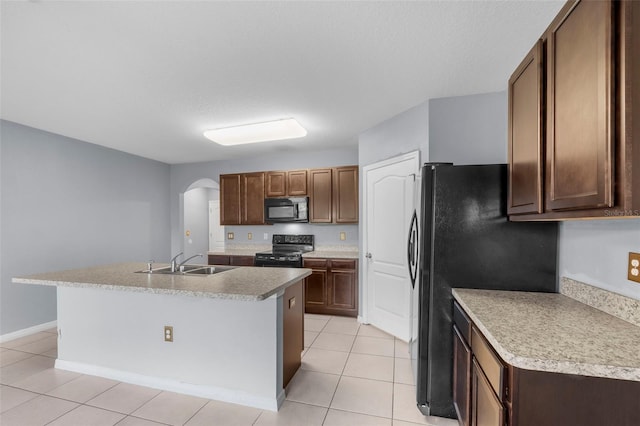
(468, 129)
(196, 220)
(183, 175)
(596, 252)
(403, 133)
(67, 204)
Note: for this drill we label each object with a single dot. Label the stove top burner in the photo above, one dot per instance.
(286, 251)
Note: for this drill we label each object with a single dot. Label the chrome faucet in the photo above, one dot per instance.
(174, 262)
(186, 260)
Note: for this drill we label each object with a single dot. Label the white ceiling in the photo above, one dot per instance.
(149, 77)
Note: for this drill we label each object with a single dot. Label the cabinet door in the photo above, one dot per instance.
(461, 377)
(230, 199)
(297, 183)
(252, 199)
(345, 194)
(320, 194)
(486, 408)
(315, 285)
(276, 184)
(315, 291)
(342, 290)
(526, 135)
(580, 116)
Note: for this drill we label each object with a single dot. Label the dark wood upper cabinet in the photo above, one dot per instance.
(345, 194)
(526, 138)
(252, 199)
(320, 195)
(242, 199)
(297, 183)
(276, 184)
(230, 199)
(291, 183)
(590, 121)
(580, 114)
(332, 192)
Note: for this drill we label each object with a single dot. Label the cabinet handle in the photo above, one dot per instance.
(368, 255)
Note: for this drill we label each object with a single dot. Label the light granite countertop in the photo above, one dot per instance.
(332, 254)
(552, 332)
(239, 251)
(241, 283)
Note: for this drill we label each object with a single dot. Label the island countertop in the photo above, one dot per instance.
(552, 332)
(241, 283)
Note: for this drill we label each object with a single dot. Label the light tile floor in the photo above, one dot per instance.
(351, 374)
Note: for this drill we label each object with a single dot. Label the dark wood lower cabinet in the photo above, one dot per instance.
(293, 331)
(462, 375)
(499, 394)
(332, 287)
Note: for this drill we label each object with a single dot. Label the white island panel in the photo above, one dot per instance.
(227, 350)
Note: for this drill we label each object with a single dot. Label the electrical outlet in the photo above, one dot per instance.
(343, 236)
(229, 235)
(168, 333)
(265, 236)
(633, 272)
(249, 236)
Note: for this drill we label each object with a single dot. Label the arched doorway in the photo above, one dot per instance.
(200, 217)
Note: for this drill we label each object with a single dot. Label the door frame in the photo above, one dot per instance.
(413, 155)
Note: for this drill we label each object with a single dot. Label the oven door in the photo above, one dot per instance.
(278, 261)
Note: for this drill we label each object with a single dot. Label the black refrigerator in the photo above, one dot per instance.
(466, 240)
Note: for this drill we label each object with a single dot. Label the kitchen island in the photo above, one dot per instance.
(235, 334)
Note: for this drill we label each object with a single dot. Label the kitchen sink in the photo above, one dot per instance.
(197, 270)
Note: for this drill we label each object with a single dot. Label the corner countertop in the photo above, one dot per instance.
(242, 283)
(552, 332)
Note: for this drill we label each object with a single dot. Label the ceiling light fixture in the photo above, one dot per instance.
(287, 128)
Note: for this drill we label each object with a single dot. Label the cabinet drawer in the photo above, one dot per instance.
(462, 321)
(218, 259)
(241, 260)
(314, 263)
(343, 264)
(489, 362)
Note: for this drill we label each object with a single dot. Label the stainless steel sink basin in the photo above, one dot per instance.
(196, 270)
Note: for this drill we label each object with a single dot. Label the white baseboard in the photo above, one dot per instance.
(28, 331)
(202, 391)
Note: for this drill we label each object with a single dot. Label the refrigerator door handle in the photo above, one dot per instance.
(412, 249)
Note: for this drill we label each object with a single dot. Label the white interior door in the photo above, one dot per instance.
(216, 231)
(389, 204)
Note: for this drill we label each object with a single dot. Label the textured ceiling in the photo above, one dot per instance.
(149, 77)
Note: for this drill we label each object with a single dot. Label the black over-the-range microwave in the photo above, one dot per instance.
(279, 210)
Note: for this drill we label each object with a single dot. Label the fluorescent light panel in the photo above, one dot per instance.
(287, 128)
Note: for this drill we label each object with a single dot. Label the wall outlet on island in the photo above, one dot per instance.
(633, 272)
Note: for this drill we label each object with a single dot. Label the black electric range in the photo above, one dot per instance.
(286, 251)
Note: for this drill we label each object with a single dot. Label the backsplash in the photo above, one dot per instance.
(620, 306)
(325, 235)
